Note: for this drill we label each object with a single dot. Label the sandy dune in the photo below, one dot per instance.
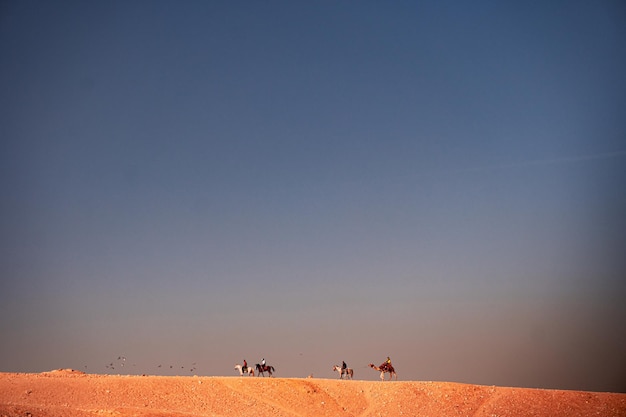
(72, 393)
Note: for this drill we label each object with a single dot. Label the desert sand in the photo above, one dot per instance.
(72, 393)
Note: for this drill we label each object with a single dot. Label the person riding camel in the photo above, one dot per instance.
(386, 364)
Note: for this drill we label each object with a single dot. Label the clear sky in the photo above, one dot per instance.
(188, 184)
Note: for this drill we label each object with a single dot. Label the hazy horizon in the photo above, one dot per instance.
(193, 184)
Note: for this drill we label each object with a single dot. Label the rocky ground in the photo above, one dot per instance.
(73, 393)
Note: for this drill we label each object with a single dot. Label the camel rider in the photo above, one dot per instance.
(386, 364)
(245, 366)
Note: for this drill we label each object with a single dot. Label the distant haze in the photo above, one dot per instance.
(185, 185)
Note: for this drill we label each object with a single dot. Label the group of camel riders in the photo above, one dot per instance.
(384, 366)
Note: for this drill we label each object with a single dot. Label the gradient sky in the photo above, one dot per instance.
(189, 184)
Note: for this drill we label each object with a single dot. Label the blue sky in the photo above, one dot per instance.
(202, 182)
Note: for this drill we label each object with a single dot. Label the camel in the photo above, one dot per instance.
(384, 368)
(348, 372)
(249, 370)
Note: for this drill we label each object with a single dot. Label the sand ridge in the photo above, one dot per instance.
(73, 393)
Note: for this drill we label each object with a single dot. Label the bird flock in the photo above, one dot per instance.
(122, 362)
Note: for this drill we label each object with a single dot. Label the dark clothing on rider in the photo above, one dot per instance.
(344, 366)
